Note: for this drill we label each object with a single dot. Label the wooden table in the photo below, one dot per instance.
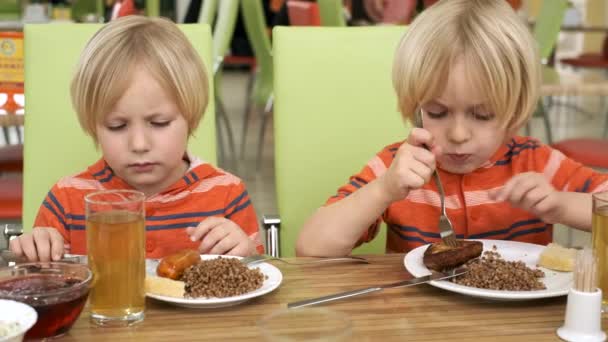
(416, 313)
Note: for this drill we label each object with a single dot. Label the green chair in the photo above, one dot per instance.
(208, 12)
(152, 8)
(260, 95)
(332, 13)
(548, 24)
(546, 31)
(55, 145)
(224, 14)
(332, 114)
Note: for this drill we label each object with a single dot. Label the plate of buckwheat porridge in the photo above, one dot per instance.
(217, 281)
(506, 270)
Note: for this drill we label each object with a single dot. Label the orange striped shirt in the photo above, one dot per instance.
(202, 192)
(413, 221)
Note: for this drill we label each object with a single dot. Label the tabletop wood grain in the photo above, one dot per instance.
(416, 313)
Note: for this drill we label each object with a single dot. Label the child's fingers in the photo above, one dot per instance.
(42, 240)
(14, 246)
(28, 247)
(212, 238)
(424, 156)
(224, 245)
(203, 228)
(507, 189)
(519, 192)
(242, 249)
(421, 172)
(56, 245)
(420, 137)
(533, 198)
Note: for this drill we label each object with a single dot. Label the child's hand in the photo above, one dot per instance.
(413, 165)
(219, 235)
(532, 192)
(42, 244)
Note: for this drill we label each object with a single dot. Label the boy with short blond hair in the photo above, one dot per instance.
(469, 70)
(140, 90)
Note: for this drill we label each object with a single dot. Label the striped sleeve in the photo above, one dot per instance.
(374, 168)
(52, 212)
(566, 174)
(239, 209)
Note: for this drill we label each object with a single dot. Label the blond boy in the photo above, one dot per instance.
(470, 70)
(140, 90)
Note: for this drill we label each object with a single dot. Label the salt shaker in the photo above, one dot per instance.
(584, 308)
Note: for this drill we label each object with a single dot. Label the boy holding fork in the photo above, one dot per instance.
(470, 69)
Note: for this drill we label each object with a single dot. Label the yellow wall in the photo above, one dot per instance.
(596, 12)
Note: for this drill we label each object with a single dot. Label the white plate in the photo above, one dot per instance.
(274, 279)
(557, 283)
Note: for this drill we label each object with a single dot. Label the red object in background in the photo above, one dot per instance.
(11, 158)
(11, 195)
(590, 152)
(590, 60)
(127, 7)
(303, 13)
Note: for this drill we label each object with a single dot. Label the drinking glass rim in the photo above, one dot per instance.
(85, 282)
(141, 196)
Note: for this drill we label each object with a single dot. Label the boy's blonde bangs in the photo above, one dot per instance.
(107, 63)
(498, 50)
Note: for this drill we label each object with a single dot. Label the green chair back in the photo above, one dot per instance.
(152, 8)
(548, 24)
(208, 12)
(55, 144)
(332, 13)
(255, 26)
(224, 26)
(333, 112)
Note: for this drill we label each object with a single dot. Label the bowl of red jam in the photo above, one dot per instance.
(57, 291)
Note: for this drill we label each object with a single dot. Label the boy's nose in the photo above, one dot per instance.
(459, 132)
(138, 141)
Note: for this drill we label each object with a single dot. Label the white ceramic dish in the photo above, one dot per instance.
(24, 315)
(557, 283)
(274, 279)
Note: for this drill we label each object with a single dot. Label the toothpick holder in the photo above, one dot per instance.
(583, 321)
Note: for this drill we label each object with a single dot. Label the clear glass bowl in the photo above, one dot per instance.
(56, 290)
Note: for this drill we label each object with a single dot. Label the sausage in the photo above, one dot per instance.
(173, 266)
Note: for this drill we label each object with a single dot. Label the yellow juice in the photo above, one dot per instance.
(116, 252)
(600, 247)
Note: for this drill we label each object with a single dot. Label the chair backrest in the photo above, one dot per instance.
(224, 26)
(208, 12)
(303, 13)
(152, 8)
(333, 111)
(257, 33)
(55, 144)
(332, 13)
(548, 24)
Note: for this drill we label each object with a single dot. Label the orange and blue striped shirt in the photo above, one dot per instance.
(202, 192)
(413, 221)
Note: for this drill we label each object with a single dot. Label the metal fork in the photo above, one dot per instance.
(446, 230)
(255, 259)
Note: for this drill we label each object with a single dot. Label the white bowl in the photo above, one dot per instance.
(23, 314)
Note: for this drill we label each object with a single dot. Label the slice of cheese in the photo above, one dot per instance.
(165, 287)
(558, 258)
